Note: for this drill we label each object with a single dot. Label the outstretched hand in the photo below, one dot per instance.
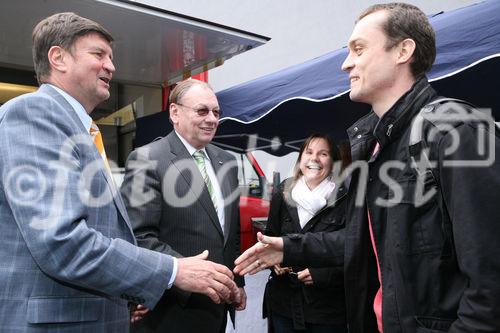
(268, 251)
(197, 274)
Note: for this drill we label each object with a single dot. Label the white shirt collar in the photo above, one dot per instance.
(191, 150)
(79, 109)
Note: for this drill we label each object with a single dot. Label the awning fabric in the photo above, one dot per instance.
(276, 111)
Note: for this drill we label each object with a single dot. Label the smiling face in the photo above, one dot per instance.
(195, 128)
(372, 69)
(316, 162)
(88, 70)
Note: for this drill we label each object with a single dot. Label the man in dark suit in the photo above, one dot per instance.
(68, 259)
(182, 196)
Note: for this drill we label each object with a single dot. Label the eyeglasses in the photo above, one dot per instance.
(203, 111)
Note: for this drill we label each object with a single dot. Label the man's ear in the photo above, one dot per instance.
(57, 58)
(406, 50)
(174, 113)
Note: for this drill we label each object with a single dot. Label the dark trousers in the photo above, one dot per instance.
(198, 315)
(224, 323)
(283, 324)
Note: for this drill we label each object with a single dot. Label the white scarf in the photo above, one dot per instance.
(310, 202)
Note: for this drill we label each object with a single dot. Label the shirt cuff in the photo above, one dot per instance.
(174, 274)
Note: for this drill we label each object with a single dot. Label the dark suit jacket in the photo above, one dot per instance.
(324, 302)
(171, 212)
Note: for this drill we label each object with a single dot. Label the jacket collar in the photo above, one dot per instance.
(399, 116)
(396, 120)
(63, 102)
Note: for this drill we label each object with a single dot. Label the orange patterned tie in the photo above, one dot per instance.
(96, 134)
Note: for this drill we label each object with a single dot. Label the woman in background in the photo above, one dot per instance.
(301, 299)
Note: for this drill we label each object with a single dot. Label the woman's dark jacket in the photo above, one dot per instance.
(324, 301)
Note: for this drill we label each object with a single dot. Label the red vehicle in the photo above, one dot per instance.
(254, 200)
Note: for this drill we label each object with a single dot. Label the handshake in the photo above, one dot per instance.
(198, 275)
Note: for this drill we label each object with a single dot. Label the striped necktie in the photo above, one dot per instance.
(199, 157)
(96, 135)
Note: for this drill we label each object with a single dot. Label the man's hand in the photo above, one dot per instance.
(198, 275)
(268, 251)
(241, 304)
(137, 312)
(305, 276)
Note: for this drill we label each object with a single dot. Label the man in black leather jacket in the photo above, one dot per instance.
(434, 228)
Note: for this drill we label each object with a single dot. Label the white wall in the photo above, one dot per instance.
(300, 30)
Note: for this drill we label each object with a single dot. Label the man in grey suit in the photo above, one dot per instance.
(68, 262)
(182, 195)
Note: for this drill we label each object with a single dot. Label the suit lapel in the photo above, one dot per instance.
(224, 184)
(181, 157)
(117, 198)
(112, 187)
(96, 156)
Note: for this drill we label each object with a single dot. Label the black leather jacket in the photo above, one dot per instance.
(439, 259)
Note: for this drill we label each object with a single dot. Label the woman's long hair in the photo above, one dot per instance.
(332, 147)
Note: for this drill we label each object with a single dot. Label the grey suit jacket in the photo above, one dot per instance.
(171, 212)
(68, 261)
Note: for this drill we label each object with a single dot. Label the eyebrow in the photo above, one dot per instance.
(100, 49)
(204, 106)
(357, 41)
(320, 151)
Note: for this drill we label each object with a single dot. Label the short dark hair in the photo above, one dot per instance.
(408, 21)
(332, 148)
(62, 30)
(182, 87)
